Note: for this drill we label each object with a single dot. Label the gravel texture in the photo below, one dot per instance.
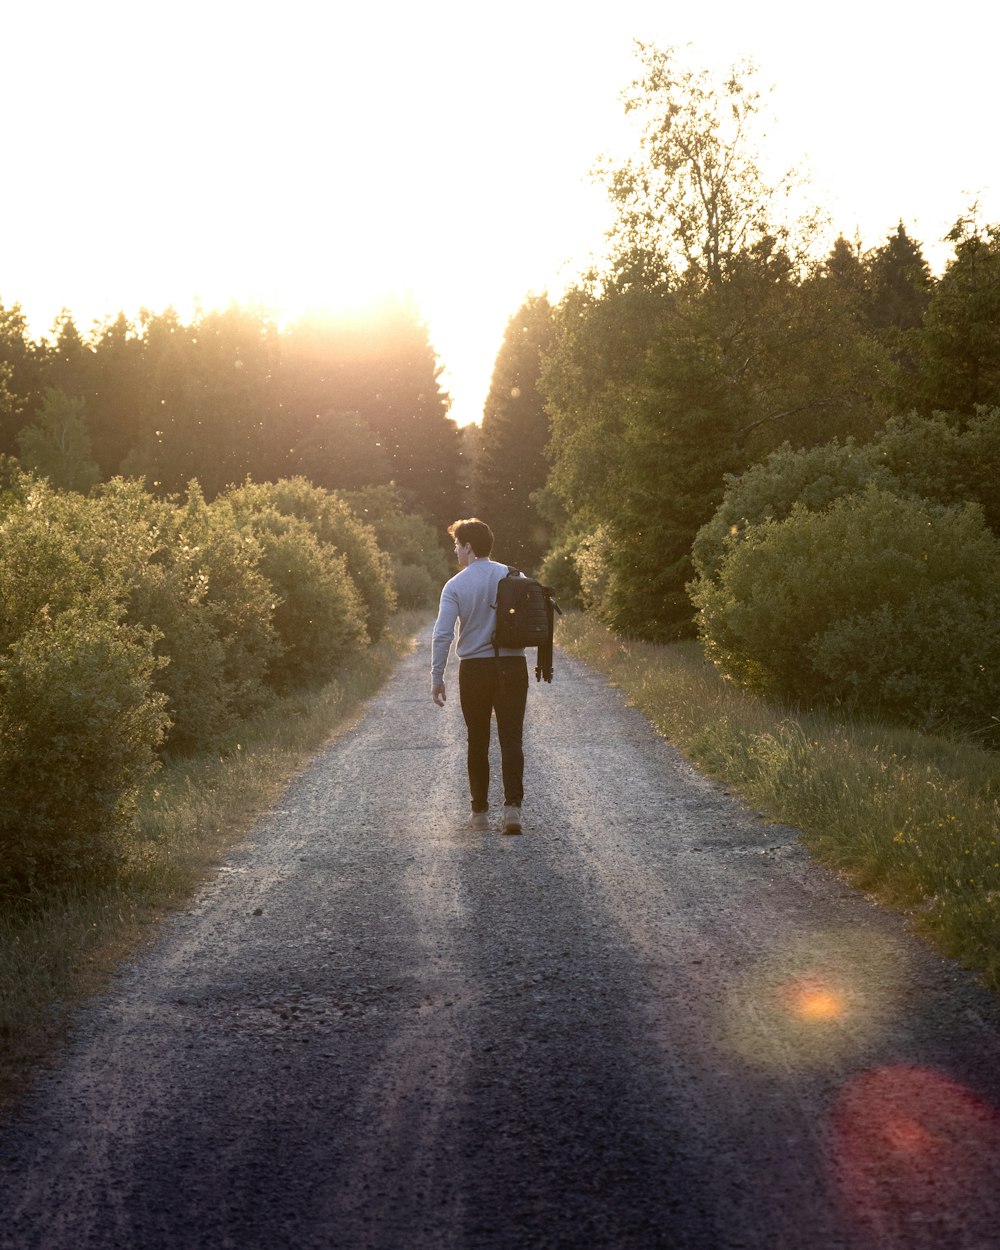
(650, 1021)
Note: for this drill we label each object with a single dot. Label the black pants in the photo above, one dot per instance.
(487, 686)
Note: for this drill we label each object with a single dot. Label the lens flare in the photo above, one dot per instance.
(814, 1002)
(916, 1159)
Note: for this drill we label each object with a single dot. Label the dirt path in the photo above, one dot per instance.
(648, 1022)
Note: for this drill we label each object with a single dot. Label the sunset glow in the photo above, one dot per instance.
(304, 157)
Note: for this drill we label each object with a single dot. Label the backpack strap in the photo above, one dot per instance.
(543, 666)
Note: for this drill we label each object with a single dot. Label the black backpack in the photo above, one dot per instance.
(526, 618)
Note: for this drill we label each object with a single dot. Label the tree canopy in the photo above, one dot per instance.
(345, 402)
(706, 342)
(693, 199)
(957, 348)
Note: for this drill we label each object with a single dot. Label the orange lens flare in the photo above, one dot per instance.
(819, 1005)
(813, 1002)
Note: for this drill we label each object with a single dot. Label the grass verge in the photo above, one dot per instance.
(56, 952)
(912, 819)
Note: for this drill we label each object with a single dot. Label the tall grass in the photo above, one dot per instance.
(56, 950)
(911, 818)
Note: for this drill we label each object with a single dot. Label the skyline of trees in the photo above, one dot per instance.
(712, 332)
(77, 408)
(348, 403)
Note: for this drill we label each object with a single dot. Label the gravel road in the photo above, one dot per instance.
(650, 1021)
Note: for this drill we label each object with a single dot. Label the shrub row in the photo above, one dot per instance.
(417, 557)
(867, 576)
(130, 624)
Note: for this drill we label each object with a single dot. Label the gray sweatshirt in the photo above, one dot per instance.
(470, 599)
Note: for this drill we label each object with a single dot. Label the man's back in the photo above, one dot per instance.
(470, 599)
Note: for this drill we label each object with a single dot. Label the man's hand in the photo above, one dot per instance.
(438, 694)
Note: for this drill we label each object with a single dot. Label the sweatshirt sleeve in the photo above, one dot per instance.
(444, 633)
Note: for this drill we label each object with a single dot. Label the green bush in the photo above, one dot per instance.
(41, 570)
(635, 577)
(943, 458)
(933, 662)
(591, 557)
(414, 586)
(79, 728)
(420, 564)
(319, 616)
(768, 491)
(190, 577)
(165, 594)
(406, 536)
(123, 615)
(559, 570)
(946, 458)
(879, 600)
(235, 601)
(618, 585)
(334, 524)
(409, 540)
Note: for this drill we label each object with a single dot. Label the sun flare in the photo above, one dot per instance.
(814, 1002)
(330, 156)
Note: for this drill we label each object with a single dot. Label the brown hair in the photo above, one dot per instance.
(473, 531)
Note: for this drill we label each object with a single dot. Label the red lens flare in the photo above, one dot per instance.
(916, 1160)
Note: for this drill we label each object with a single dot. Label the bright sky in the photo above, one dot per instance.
(306, 154)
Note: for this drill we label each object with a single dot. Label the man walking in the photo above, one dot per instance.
(486, 684)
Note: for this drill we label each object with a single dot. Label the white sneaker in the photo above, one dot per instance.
(479, 822)
(511, 820)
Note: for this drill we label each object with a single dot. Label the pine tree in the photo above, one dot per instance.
(845, 269)
(512, 463)
(20, 376)
(899, 284)
(957, 348)
(69, 360)
(120, 393)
